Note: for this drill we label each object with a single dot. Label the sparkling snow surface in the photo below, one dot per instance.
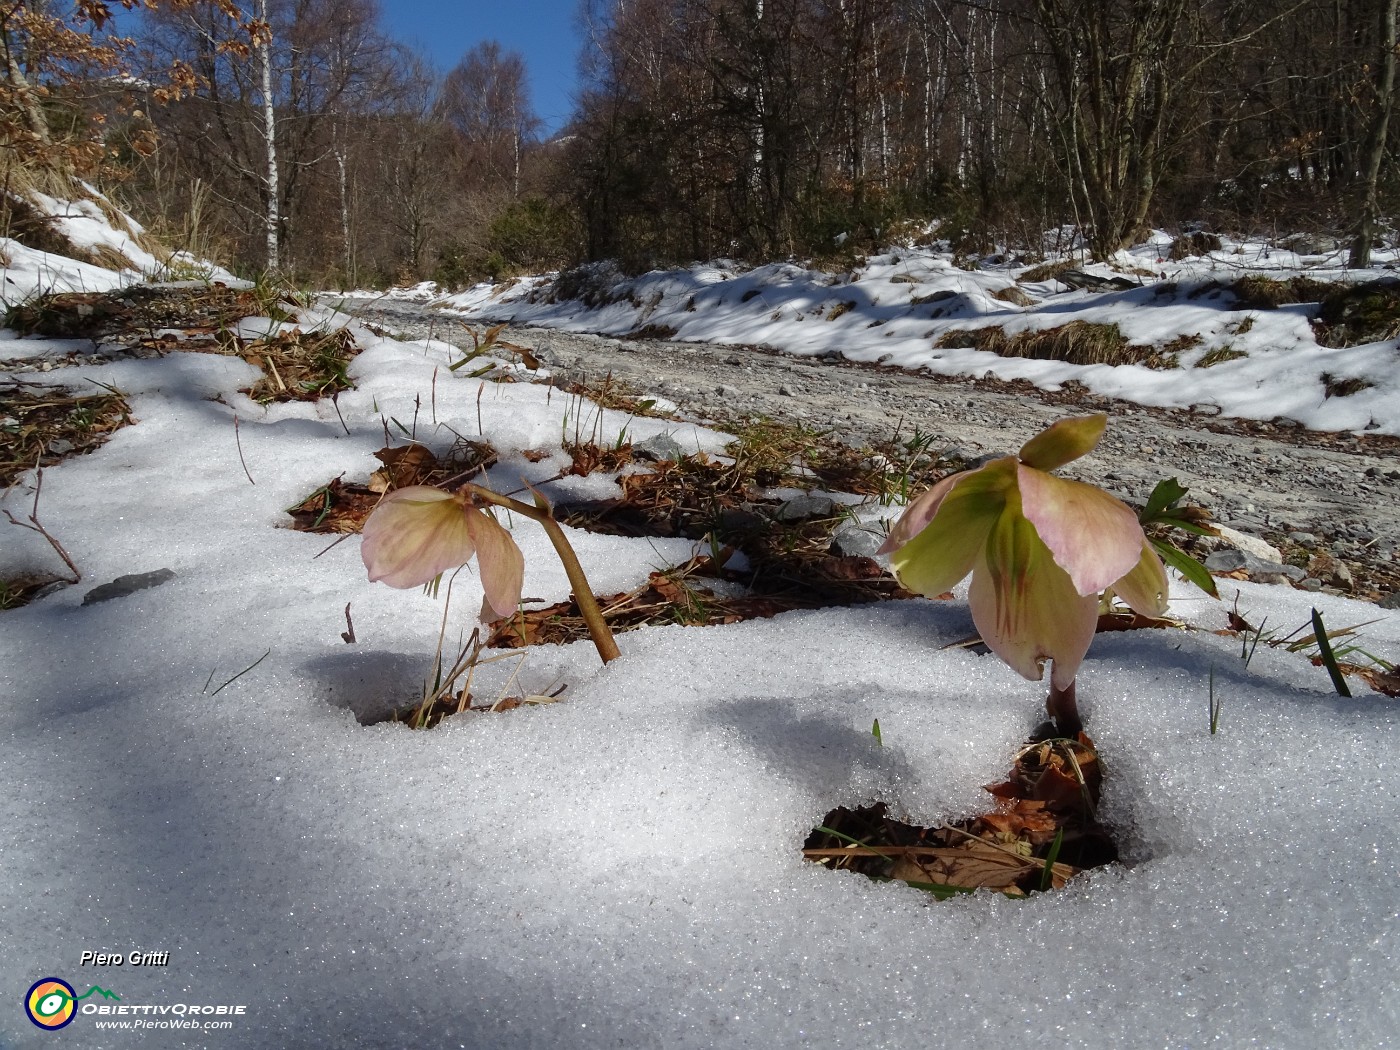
(621, 869)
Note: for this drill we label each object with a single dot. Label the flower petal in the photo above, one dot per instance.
(1093, 537)
(1145, 587)
(919, 513)
(947, 548)
(1026, 607)
(501, 563)
(1064, 441)
(414, 534)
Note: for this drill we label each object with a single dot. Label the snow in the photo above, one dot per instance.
(622, 868)
(870, 315)
(26, 272)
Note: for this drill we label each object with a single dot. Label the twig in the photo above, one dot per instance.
(35, 525)
(335, 403)
(273, 365)
(240, 674)
(348, 635)
(341, 539)
(239, 440)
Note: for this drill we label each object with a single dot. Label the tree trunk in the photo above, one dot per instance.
(1374, 150)
(345, 231)
(272, 216)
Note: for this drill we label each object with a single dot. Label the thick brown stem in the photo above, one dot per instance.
(598, 628)
(1064, 709)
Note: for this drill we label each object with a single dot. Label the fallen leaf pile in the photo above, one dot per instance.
(1043, 832)
(342, 507)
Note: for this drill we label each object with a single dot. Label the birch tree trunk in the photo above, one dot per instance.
(272, 217)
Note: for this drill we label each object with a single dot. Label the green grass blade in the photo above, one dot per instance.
(839, 835)
(1187, 566)
(1047, 873)
(1329, 661)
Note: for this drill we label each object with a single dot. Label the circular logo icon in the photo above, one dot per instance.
(49, 1003)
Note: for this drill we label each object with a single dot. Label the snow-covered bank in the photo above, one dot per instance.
(897, 307)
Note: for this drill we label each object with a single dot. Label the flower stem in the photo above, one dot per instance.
(1062, 706)
(598, 628)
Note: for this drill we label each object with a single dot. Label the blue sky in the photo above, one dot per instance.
(541, 30)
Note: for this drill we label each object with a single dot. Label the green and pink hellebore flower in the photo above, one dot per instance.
(1041, 550)
(418, 532)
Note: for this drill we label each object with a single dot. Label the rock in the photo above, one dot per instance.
(1330, 570)
(1390, 601)
(800, 508)
(1309, 243)
(857, 541)
(1303, 539)
(124, 585)
(659, 447)
(740, 519)
(905, 278)
(1228, 560)
(785, 390)
(1260, 570)
(1250, 544)
(1311, 583)
(1092, 282)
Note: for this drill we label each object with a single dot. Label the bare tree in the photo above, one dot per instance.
(486, 99)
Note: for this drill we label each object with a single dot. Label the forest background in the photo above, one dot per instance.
(298, 136)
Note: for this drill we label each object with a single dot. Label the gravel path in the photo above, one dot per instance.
(1303, 491)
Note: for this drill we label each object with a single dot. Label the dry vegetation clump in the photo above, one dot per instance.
(297, 365)
(1269, 293)
(1220, 355)
(1194, 244)
(22, 221)
(1351, 315)
(1045, 271)
(1078, 343)
(139, 312)
(41, 425)
(593, 284)
(1337, 387)
(1014, 296)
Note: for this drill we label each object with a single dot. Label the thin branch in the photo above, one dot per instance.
(35, 526)
(239, 442)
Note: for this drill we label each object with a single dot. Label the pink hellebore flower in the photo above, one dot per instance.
(417, 532)
(1040, 550)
